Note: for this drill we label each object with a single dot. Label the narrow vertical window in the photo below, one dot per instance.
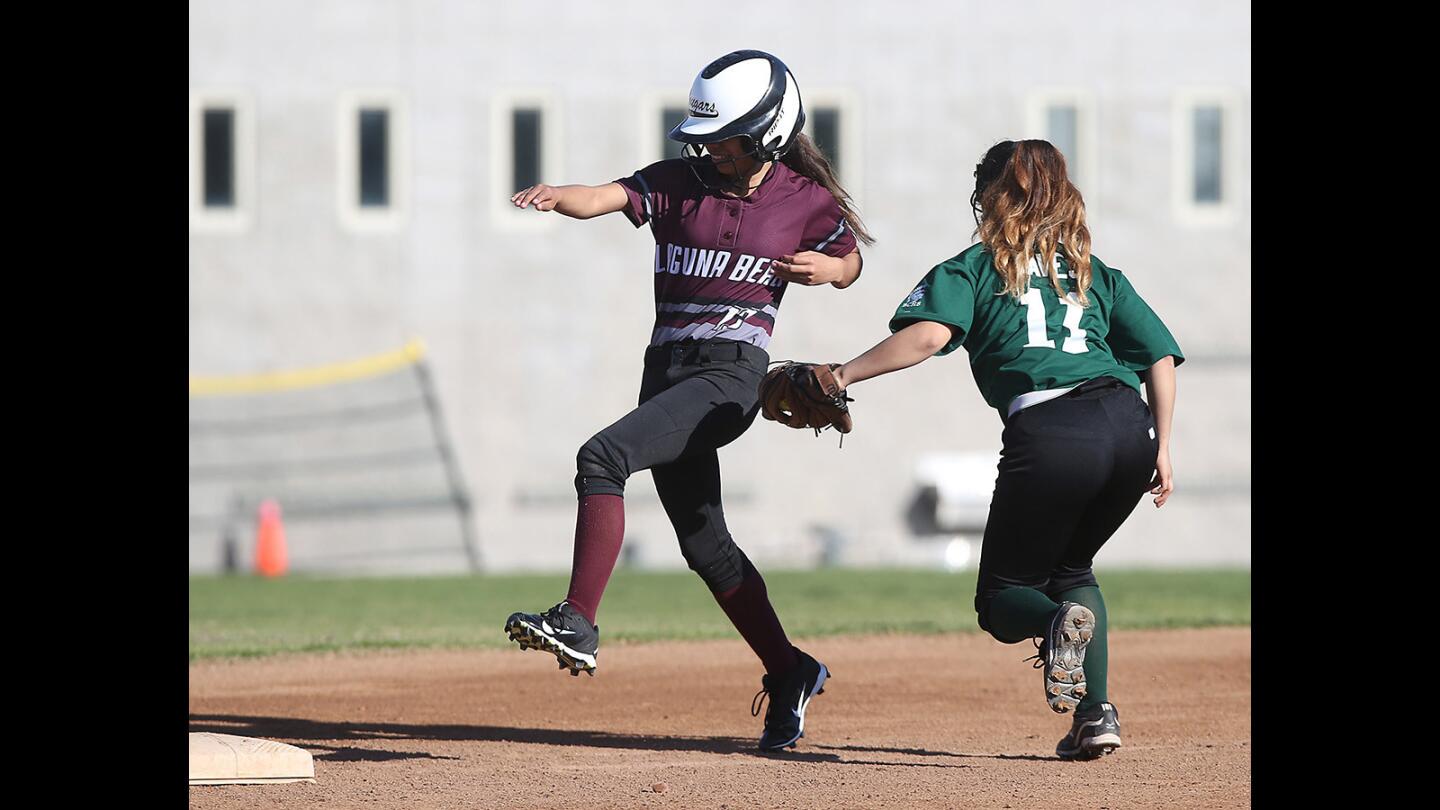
(669, 117)
(1066, 118)
(1208, 188)
(525, 140)
(219, 157)
(826, 133)
(526, 129)
(1062, 128)
(221, 153)
(374, 157)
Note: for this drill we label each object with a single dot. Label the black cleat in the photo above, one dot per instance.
(560, 631)
(790, 695)
(1062, 656)
(1064, 666)
(1093, 734)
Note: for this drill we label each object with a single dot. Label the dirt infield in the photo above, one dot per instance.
(908, 721)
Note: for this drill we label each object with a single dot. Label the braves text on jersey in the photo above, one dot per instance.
(1039, 342)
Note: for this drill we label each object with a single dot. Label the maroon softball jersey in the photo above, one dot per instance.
(713, 252)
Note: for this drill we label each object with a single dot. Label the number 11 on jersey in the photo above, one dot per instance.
(1035, 323)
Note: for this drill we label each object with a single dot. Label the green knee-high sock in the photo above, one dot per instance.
(1020, 613)
(1097, 655)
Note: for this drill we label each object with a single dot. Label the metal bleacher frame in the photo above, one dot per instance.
(250, 486)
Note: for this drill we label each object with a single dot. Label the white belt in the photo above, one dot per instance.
(1035, 398)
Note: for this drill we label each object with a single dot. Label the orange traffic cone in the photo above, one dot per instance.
(270, 557)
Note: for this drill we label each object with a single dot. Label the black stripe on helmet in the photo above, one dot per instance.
(747, 125)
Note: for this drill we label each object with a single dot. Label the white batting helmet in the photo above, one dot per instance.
(749, 94)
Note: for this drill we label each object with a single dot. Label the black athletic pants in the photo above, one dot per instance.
(695, 397)
(1071, 470)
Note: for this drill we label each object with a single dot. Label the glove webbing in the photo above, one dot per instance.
(837, 401)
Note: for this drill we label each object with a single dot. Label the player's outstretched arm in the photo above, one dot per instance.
(908, 347)
(1160, 393)
(579, 202)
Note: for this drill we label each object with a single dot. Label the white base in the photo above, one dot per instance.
(225, 759)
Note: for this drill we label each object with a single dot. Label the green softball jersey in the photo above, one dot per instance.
(1038, 342)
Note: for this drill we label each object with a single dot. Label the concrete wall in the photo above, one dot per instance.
(537, 323)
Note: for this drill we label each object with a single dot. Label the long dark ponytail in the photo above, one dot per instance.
(806, 158)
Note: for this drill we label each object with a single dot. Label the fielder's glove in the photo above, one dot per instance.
(802, 395)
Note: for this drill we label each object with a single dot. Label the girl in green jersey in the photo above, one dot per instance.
(1059, 345)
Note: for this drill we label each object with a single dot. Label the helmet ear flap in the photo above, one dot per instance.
(789, 120)
(793, 139)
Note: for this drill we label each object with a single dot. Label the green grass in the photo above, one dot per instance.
(249, 616)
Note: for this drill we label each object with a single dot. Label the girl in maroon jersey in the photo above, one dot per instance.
(750, 207)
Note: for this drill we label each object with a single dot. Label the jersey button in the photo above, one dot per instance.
(732, 213)
(729, 234)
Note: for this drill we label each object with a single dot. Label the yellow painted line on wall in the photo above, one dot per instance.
(348, 371)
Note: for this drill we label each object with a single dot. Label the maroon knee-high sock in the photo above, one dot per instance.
(749, 609)
(599, 530)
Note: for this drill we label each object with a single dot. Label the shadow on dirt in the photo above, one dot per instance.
(369, 754)
(323, 735)
(921, 752)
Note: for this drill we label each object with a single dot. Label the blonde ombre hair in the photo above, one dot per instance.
(1027, 208)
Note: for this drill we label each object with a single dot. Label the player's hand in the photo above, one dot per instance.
(809, 268)
(1163, 483)
(543, 197)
